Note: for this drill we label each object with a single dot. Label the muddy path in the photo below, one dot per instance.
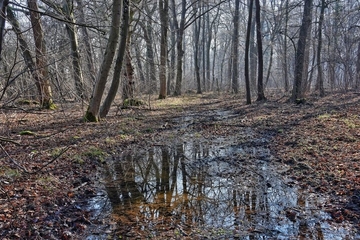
(206, 173)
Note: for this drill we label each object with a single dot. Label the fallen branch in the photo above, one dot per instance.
(4, 139)
(13, 161)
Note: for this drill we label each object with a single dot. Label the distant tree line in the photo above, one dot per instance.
(92, 51)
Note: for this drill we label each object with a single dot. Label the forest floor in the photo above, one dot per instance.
(50, 161)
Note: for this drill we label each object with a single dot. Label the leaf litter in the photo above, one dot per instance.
(49, 178)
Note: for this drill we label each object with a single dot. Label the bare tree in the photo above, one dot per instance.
(72, 32)
(247, 48)
(235, 53)
(119, 60)
(46, 100)
(180, 28)
(93, 112)
(320, 78)
(260, 84)
(164, 17)
(298, 88)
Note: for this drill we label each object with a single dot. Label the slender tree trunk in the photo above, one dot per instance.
(24, 47)
(253, 51)
(87, 44)
(235, 60)
(196, 33)
(151, 69)
(298, 88)
(93, 112)
(119, 61)
(3, 6)
(179, 46)
(172, 62)
(71, 30)
(139, 65)
(286, 73)
(247, 48)
(260, 82)
(164, 17)
(41, 61)
(320, 79)
(357, 84)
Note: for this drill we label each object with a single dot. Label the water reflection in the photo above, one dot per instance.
(215, 190)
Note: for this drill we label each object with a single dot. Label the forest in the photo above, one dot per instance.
(179, 119)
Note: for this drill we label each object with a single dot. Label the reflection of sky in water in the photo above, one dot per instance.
(227, 187)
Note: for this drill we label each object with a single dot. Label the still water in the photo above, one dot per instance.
(219, 188)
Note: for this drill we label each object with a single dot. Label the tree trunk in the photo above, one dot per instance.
(179, 46)
(286, 72)
(260, 82)
(71, 30)
(253, 51)
(357, 84)
(41, 61)
(119, 61)
(129, 83)
(298, 88)
(172, 63)
(93, 112)
(235, 44)
(150, 69)
(24, 47)
(3, 6)
(196, 33)
(320, 79)
(163, 11)
(87, 44)
(247, 48)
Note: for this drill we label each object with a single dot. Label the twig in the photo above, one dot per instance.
(3, 139)
(53, 160)
(24, 169)
(13, 161)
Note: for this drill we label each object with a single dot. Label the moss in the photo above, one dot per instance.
(49, 104)
(132, 102)
(26, 132)
(89, 117)
(97, 153)
(27, 102)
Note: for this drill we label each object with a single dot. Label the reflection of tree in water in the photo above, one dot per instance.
(196, 186)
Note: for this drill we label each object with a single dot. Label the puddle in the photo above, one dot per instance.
(217, 189)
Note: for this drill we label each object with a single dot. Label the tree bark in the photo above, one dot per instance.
(24, 47)
(41, 61)
(3, 6)
(150, 68)
(180, 28)
(260, 82)
(235, 45)
(357, 83)
(247, 48)
(196, 33)
(119, 61)
(298, 88)
(93, 112)
(87, 44)
(164, 17)
(71, 30)
(320, 79)
(286, 72)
